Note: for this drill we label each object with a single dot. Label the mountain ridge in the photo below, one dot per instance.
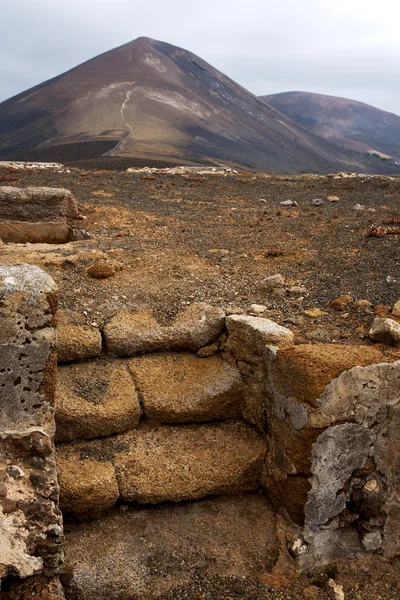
(151, 100)
(349, 123)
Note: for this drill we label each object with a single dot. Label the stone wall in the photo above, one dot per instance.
(151, 415)
(31, 523)
(330, 414)
(208, 405)
(36, 215)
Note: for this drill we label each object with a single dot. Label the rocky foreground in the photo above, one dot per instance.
(164, 399)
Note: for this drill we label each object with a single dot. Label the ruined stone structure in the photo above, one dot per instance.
(222, 410)
(31, 532)
(36, 215)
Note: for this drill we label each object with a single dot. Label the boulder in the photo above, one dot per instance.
(386, 331)
(216, 546)
(181, 387)
(128, 334)
(94, 399)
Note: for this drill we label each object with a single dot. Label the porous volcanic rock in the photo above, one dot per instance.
(94, 399)
(189, 462)
(148, 552)
(181, 387)
(128, 334)
(77, 342)
(87, 487)
(166, 462)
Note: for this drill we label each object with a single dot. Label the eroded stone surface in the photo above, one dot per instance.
(31, 523)
(87, 487)
(157, 463)
(128, 334)
(147, 552)
(36, 204)
(181, 387)
(246, 332)
(94, 399)
(386, 331)
(77, 342)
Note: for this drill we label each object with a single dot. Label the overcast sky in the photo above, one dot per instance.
(348, 48)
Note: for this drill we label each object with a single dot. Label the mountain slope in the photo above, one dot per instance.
(153, 101)
(347, 123)
(160, 102)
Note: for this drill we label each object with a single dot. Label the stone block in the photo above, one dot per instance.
(36, 215)
(249, 335)
(95, 399)
(166, 462)
(87, 487)
(37, 204)
(188, 462)
(181, 387)
(77, 342)
(128, 334)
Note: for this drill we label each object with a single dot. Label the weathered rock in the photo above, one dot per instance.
(332, 467)
(363, 305)
(258, 309)
(341, 303)
(386, 331)
(209, 350)
(36, 215)
(273, 283)
(246, 332)
(128, 334)
(87, 487)
(154, 464)
(149, 552)
(31, 523)
(314, 313)
(308, 389)
(77, 342)
(181, 387)
(36, 204)
(189, 462)
(101, 270)
(296, 291)
(396, 309)
(95, 399)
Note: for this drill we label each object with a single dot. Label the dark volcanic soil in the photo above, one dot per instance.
(177, 239)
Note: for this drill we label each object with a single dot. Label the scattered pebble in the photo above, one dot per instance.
(289, 203)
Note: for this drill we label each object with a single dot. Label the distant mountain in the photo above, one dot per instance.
(347, 123)
(152, 101)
